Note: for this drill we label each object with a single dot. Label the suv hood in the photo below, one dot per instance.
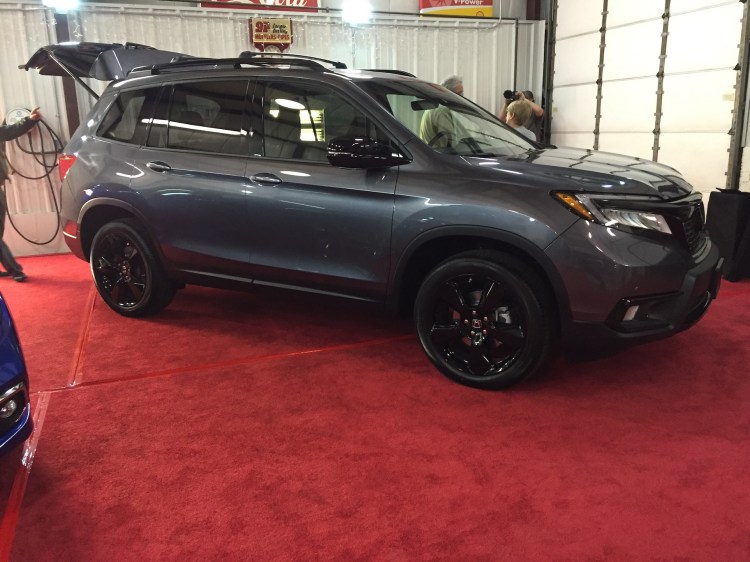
(597, 172)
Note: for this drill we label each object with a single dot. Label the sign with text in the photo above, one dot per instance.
(466, 8)
(282, 5)
(266, 32)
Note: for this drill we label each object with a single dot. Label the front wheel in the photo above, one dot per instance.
(484, 319)
(126, 272)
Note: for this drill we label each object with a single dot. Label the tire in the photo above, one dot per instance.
(485, 319)
(126, 272)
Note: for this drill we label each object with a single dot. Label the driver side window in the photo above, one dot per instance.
(300, 119)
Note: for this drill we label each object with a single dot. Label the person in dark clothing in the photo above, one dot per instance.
(10, 132)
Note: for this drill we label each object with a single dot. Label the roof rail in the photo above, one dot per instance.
(247, 58)
(391, 71)
(291, 58)
(178, 63)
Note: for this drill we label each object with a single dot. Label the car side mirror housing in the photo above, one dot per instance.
(364, 153)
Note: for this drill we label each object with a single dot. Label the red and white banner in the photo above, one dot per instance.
(466, 8)
(282, 5)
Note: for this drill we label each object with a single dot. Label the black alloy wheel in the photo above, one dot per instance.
(484, 319)
(126, 272)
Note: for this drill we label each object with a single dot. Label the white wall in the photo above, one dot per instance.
(698, 87)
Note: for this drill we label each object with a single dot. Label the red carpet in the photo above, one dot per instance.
(243, 427)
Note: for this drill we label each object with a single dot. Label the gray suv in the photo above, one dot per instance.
(297, 172)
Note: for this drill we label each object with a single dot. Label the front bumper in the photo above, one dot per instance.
(643, 290)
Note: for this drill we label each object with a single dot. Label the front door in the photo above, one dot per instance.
(311, 224)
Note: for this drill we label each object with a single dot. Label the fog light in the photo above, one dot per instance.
(8, 409)
(638, 314)
(630, 313)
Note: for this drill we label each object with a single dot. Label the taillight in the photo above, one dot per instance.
(64, 164)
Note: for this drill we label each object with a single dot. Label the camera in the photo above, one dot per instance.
(510, 95)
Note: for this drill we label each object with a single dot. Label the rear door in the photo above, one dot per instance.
(309, 223)
(192, 175)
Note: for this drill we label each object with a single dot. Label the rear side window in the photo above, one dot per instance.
(128, 117)
(203, 116)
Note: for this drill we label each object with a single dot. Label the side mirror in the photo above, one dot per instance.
(363, 153)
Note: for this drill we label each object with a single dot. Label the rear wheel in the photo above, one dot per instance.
(126, 272)
(484, 319)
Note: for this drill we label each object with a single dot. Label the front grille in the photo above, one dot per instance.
(693, 227)
(687, 221)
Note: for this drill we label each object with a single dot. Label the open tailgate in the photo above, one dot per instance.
(101, 61)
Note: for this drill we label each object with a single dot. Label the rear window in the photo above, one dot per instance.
(128, 117)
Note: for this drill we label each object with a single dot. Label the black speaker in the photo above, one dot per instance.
(728, 224)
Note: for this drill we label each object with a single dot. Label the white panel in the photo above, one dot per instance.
(629, 105)
(632, 51)
(577, 140)
(628, 11)
(704, 39)
(698, 102)
(575, 17)
(680, 6)
(574, 109)
(633, 144)
(701, 157)
(531, 59)
(577, 60)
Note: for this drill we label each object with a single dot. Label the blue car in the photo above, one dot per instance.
(15, 411)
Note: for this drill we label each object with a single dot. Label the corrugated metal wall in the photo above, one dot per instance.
(483, 52)
(682, 120)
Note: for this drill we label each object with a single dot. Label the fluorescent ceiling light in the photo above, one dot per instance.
(61, 6)
(356, 12)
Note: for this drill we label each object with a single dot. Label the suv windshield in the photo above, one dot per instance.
(446, 121)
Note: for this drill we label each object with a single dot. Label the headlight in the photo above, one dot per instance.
(605, 211)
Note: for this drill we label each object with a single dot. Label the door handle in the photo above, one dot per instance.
(265, 178)
(158, 166)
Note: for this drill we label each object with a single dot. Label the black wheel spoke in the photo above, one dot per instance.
(104, 267)
(131, 253)
(479, 363)
(446, 334)
(116, 292)
(494, 297)
(509, 335)
(136, 289)
(113, 247)
(451, 295)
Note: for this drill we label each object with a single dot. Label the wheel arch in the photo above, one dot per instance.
(434, 247)
(98, 212)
